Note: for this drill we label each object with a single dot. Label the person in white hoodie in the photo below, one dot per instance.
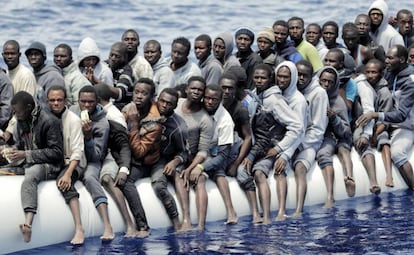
(286, 76)
(381, 32)
(90, 64)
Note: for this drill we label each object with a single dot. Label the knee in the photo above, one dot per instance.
(259, 176)
(160, 188)
(106, 180)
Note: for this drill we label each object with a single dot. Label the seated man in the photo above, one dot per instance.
(38, 145)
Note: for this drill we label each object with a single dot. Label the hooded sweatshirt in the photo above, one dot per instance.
(89, 48)
(229, 59)
(295, 99)
(385, 35)
(49, 76)
(163, 76)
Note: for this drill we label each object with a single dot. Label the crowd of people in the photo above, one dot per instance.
(301, 99)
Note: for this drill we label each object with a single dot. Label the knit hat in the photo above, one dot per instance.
(245, 31)
(267, 32)
(37, 46)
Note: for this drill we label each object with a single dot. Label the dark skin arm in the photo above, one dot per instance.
(244, 150)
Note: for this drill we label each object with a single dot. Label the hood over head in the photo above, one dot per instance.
(290, 90)
(88, 48)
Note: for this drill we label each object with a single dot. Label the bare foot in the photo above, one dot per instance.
(349, 186)
(78, 238)
(329, 203)
(389, 182)
(231, 220)
(297, 215)
(199, 228)
(108, 235)
(26, 232)
(267, 221)
(131, 232)
(257, 219)
(375, 189)
(185, 226)
(143, 233)
(281, 217)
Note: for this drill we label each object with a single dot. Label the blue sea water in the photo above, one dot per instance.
(367, 225)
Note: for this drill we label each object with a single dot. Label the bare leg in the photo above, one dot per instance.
(344, 157)
(108, 234)
(183, 198)
(201, 202)
(406, 171)
(264, 194)
(301, 187)
(281, 188)
(26, 228)
(223, 186)
(386, 158)
(329, 175)
(369, 164)
(251, 197)
(79, 236)
(118, 196)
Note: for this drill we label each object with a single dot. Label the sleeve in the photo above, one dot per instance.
(206, 134)
(141, 145)
(125, 83)
(119, 144)
(180, 141)
(216, 162)
(96, 148)
(351, 90)
(6, 94)
(77, 143)
(367, 103)
(405, 103)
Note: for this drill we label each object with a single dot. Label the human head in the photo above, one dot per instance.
(103, 92)
(22, 105)
(265, 39)
(410, 59)
(131, 40)
(88, 99)
(373, 71)
(56, 98)
(313, 33)
(181, 90)
(376, 16)
(281, 31)
(213, 95)
(62, 55)
(11, 54)
(180, 49)
(305, 71)
(88, 53)
(167, 101)
(118, 55)
(152, 51)
(195, 88)
(328, 79)
(36, 55)
(244, 39)
(228, 83)
(286, 77)
(296, 28)
(241, 77)
(262, 77)
(335, 58)
(330, 33)
(363, 23)
(350, 35)
(144, 91)
(405, 21)
(396, 58)
(202, 47)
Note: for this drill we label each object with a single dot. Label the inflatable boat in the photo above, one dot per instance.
(54, 224)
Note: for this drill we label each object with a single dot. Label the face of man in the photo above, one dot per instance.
(327, 80)
(304, 76)
(364, 25)
(229, 90)
(261, 79)
(195, 91)
(295, 29)
(219, 49)
(35, 59)
(56, 101)
(373, 73)
(179, 53)
(329, 35)
(116, 58)
(405, 23)
(21, 112)
(90, 61)
(351, 39)
(243, 42)
(152, 53)
(87, 101)
(264, 44)
(283, 78)
(166, 104)
(142, 95)
(201, 50)
(313, 34)
(131, 41)
(392, 61)
(11, 56)
(332, 59)
(376, 17)
(281, 34)
(212, 99)
(411, 56)
(61, 57)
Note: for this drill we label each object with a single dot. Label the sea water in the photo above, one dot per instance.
(365, 225)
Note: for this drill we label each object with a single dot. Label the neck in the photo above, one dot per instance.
(175, 66)
(297, 41)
